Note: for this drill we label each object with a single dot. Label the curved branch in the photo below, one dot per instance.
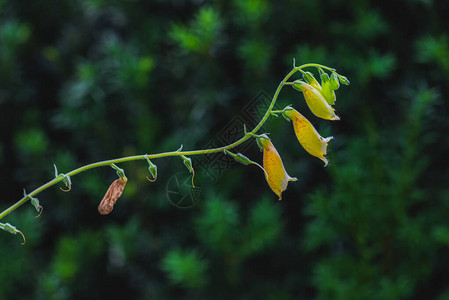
(243, 139)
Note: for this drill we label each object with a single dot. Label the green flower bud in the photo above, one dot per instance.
(326, 89)
(310, 79)
(343, 79)
(324, 78)
(13, 230)
(65, 179)
(188, 163)
(335, 83)
(35, 203)
(239, 157)
(9, 228)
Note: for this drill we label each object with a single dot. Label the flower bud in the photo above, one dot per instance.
(275, 173)
(239, 157)
(307, 135)
(65, 179)
(335, 83)
(343, 79)
(35, 203)
(152, 168)
(316, 101)
(326, 89)
(244, 160)
(310, 79)
(12, 229)
(114, 192)
(188, 163)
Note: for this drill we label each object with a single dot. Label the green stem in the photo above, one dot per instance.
(277, 111)
(247, 136)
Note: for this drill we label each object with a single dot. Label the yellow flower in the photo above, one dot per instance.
(316, 101)
(275, 173)
(307, 135)
(326, 88)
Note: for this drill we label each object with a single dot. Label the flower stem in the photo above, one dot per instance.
(243, 139)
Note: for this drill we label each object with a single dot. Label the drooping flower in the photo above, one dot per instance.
(275, 173)
(307, 135)
(114, 192)
(316, 101)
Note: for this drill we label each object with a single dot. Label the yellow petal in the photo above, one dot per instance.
(315, 100)
(307, 135)
(276, 175)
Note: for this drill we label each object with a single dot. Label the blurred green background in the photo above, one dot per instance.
(83, 81)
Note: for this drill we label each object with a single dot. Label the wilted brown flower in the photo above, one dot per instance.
(112, 194)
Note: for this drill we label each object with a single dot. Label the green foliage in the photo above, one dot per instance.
(377, 66)
(368, 219)
(263, 228)
(11, 267)
(227, 240)
(121, 242)
(31, 142)
(201, 34)
(434, 49)
(82, 81)
(256, 54)
(252, 12)
(218, 226)
(13, 35)
(365, 25)
(73, 256)
(186, 269)
(221, 229)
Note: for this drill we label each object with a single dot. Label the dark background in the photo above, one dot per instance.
(84, 81)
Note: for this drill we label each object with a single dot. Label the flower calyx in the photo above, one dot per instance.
(65, 179)
(152, 168)
(13, 230)
(35, 202)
